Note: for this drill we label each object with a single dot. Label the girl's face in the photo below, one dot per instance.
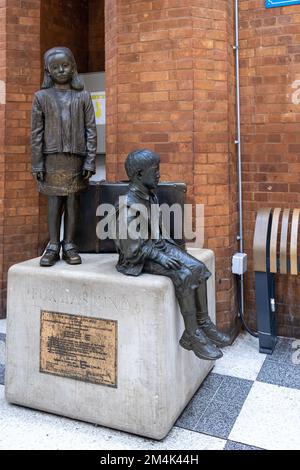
(60, 68)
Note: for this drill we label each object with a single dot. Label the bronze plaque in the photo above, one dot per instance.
(77, 347)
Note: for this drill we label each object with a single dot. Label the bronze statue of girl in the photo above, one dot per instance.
(64, 144)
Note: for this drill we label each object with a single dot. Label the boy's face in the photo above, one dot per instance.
(149, 177)
(60, 68)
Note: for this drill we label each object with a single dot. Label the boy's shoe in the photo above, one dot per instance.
(51, 255)
(70, 253)
(200, 345)
(209, 328)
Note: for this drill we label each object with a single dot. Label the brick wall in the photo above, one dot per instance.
(65, 23)
(213, 144)
(96, 36)
(2, 137)
(111, 76)
(270, 65)
(153, 69)
(77, 24)
(20, 33)
(170, 80)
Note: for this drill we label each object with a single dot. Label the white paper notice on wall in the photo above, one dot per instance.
(98, 98)
(2, 92)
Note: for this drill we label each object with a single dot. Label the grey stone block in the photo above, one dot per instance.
(156, 377)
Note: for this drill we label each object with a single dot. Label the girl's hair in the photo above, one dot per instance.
(140, 160)
(76, 82)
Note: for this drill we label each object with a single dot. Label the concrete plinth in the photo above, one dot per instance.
(135, 377)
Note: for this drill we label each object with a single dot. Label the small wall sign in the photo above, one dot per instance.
(281, 3)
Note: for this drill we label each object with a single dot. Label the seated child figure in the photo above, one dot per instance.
(64, 143)
(163, 257)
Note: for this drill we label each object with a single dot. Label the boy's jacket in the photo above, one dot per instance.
(133, 253)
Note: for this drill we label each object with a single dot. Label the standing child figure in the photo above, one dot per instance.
(64, 144)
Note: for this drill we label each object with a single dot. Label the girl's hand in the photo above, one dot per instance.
(39, 176)
(87, 174)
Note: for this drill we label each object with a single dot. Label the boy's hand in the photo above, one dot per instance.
(167, 262)
(87, 174)
(39, 176)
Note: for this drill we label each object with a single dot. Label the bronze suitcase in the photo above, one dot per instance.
(100, 192)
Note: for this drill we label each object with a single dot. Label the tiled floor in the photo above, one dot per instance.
(250, 401)
(269, 418)
(216, 405)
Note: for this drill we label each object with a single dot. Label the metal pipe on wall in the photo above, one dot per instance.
(240, 236)
(238, 125)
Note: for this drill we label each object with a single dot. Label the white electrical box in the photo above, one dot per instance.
(239, 263)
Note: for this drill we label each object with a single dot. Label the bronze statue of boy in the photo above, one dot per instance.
(64, 143)
(163, 257)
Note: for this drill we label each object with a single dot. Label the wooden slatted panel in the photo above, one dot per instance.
(273, 241)
(294, 241)
(283, 241)
(260, 239)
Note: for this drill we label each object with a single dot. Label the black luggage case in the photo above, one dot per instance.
(102, 192)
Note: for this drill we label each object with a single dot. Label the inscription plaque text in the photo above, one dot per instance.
(78, 347)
